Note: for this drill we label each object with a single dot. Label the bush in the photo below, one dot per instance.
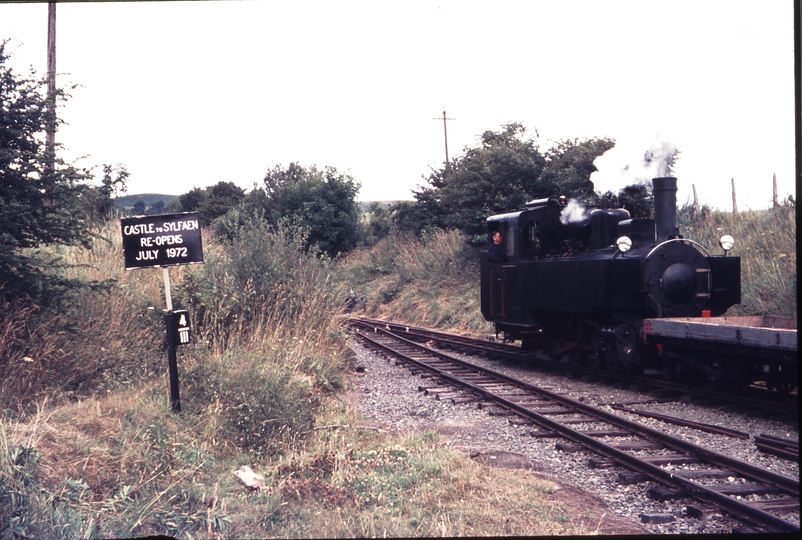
(268, 310)
(262, 405)
(265, 273)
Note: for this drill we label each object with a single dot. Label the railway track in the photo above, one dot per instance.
(754, 495)
(754, 398)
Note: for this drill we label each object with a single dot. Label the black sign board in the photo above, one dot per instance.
(162, 240)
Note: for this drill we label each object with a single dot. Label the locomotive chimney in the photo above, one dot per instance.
(665, 207)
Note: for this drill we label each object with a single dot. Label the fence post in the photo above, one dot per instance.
(774, 197)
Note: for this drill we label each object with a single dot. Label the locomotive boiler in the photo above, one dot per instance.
(580, 287)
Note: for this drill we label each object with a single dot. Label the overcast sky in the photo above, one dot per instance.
(187, 94)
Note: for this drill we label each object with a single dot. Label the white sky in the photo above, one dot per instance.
(187, 94)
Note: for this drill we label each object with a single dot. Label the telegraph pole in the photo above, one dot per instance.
(445, 132)
(50, 135)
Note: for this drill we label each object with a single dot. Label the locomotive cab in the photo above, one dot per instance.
(527, 233)
(557, 259)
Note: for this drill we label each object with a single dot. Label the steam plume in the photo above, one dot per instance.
(573, 212)
(627, 164)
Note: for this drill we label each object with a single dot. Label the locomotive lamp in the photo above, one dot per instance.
(624, 243)
(726, 243)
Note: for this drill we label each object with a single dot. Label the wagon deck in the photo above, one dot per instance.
(778, 333)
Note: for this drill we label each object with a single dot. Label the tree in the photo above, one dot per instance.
(504, 172)
(212, 202)
(157, 207)
(324, 202)
(100, 199)
(411, 216)
(637, 198)
(569, 164)
(220, 198)
(192, 200)
(377, 222)
(40, 203)
(498, 175)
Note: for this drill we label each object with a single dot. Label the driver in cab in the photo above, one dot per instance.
(495, 253)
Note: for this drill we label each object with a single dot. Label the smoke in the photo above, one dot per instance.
(630, 163)
(573, 212)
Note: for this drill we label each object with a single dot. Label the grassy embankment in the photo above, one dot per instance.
(431, 282)
(89, 447)
(765, 240)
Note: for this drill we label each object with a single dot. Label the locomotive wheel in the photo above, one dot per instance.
(783, 387)
(605, 360)
(595, 361)
(550, 348)
(613, 366)
(573, 345)
(574, 356)
(781, 381)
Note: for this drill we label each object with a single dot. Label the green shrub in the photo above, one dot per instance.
(262, 405)
(265, 272)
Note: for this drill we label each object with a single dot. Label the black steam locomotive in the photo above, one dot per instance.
(580, 288)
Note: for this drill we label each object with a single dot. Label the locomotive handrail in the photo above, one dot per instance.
(683, 240)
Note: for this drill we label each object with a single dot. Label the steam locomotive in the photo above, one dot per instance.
(580, 288)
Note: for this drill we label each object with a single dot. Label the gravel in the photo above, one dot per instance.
(389, 399)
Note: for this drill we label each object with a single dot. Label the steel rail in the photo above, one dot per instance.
(688, 423)
(515, 353)
(733, 506)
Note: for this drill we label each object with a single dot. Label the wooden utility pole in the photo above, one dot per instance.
(695, 199)
(445, 132)
(50, 128)
(734, 203)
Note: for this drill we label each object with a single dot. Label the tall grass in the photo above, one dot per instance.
(765, 240)
(117, 466)
(101, 340)
(432, 281)
(267, 349)
(266, 345)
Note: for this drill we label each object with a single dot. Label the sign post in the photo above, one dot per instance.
(165, 240)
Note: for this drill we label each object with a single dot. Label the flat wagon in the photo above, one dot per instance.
(741, 349)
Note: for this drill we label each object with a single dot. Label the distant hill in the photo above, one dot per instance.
(365, 205)
(128, 201)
